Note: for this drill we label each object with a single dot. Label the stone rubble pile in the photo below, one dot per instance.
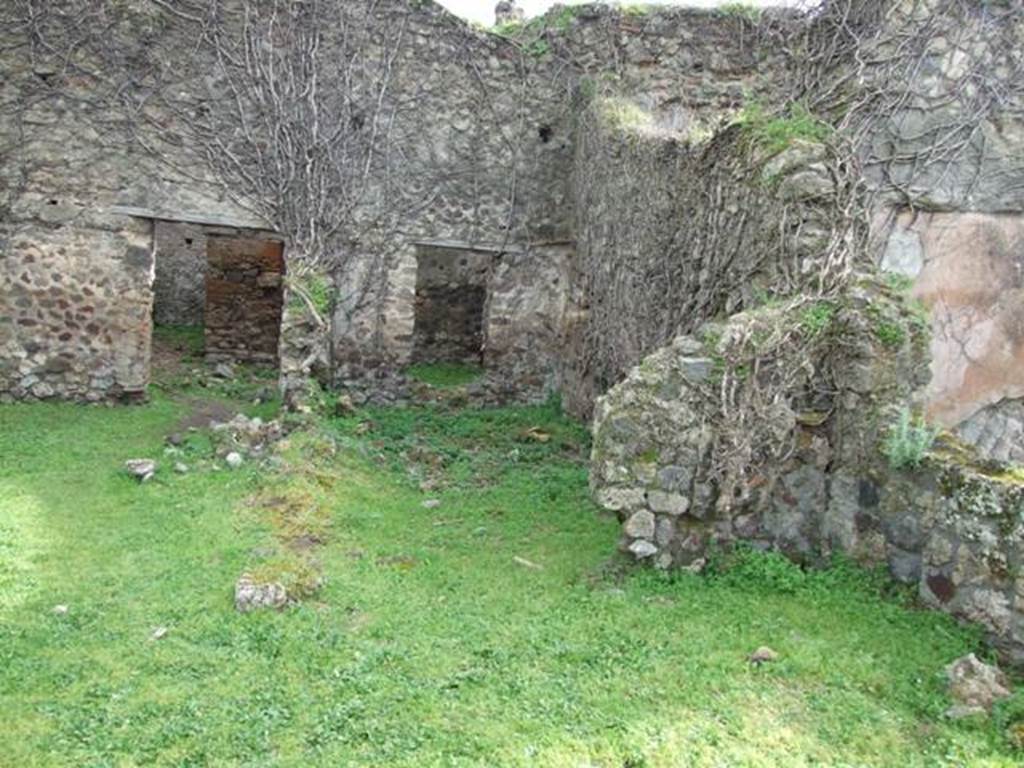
(242, 437)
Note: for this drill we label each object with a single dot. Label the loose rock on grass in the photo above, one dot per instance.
(763, 655)
(141, 469)
(975, 687)
(251, 595)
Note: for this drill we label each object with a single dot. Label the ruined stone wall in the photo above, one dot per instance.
(74, 281)
(76, 275)
(495, 155)
(686, 67)
(492, 162)
(75, 311)
(947, 527)
(669, 226)
(514, 123)
(947, 169)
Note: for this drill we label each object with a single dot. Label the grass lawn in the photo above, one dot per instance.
(429, 643)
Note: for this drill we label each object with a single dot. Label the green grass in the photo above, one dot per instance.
(444, 375)
(428, 645)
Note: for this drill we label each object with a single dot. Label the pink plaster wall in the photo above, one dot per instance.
(968, 268)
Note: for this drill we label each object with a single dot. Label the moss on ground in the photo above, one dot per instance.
(429, 643)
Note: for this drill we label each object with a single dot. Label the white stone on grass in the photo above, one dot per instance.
(251, 595)
(141, 469)
(975, 686)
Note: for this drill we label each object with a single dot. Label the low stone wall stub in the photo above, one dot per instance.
(953, 526)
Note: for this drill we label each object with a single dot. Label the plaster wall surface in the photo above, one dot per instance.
(971, 276)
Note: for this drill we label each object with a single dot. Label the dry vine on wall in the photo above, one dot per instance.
(298, 112)
(909, 88)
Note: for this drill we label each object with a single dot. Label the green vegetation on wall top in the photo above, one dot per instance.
(530, 35)
(774, 132)
(745, 11)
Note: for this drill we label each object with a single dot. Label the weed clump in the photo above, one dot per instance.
(908, 441)
(775, 132)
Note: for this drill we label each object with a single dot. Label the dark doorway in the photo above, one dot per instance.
(244, 299)
(451, 293)
(179, 291)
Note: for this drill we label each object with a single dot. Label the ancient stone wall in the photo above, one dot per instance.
(947, 172)
(75, 303)
(514, 123)
(673, 219)
(487, 170)
(76, 274)
(75, 309)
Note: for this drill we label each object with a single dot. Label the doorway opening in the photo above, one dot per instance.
(218, 297)
(244, 299)
(451, 296)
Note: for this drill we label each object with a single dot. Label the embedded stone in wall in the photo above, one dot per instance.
(997, 431)
(244, 298)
